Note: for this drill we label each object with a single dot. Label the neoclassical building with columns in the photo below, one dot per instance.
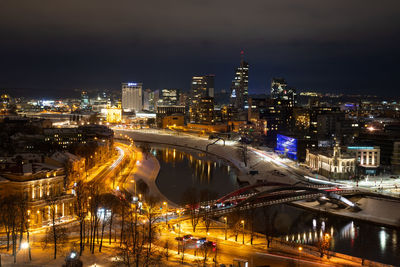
(37, 183)
(332, 163)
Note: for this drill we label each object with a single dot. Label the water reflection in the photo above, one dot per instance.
(356, 238)
(181, 170)
(204, 167)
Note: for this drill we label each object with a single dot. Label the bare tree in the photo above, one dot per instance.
(94, 204)
(251, 217)
(57, 236)
(166, 250)
(205, 252)
(108, 202)
(269, 225)
(52, 203)
(151, 214)
(191, 198)
(81, 193)
(14, 218)
(207, 196)
(234, 222)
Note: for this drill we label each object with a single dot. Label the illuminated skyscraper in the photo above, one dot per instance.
(84, 99)
(170, 97)
(132, 97)
(280, 91)
(201, 87)
(240, 86)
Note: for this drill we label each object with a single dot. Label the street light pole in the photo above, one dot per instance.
(166, 212)
(300, 250)
(226, 226)
(243, 231)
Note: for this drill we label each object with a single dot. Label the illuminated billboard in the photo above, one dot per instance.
(286, 146)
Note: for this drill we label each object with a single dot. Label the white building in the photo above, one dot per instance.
(132, 97)
(368, 158)
(333, 164)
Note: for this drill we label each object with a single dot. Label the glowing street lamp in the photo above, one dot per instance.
(300, 250)
(25, 245)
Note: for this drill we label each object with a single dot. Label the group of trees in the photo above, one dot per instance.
(96, 212)
(131, 228)
(15, 222)
(15, 219)
(141, 232)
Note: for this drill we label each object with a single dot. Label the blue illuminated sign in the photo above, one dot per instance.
(286, 146)
(132, 84)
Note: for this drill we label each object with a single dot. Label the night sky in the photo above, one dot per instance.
(56, 46)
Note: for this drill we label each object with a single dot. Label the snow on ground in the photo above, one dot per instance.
(381, 211)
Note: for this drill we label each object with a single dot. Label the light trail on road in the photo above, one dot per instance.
(120, 158)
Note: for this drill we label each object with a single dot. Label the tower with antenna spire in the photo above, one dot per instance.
(239, 87)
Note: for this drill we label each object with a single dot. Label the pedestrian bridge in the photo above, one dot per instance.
(271, 193)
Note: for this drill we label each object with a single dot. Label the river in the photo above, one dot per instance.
(182, 169)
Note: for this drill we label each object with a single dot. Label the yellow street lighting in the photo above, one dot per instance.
(25, 245)
(300, 249)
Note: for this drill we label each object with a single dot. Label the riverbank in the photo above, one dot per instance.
(230, 152)
(373, 210)
(146, 169)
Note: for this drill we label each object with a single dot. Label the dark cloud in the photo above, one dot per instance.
(321, 45)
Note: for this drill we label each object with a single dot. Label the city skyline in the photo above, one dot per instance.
(337, 47)
(199, 133)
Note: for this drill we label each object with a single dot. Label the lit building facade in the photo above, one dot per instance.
(201, 87)
(84, 99)
(113, 115)
(132, 97)
(240, 86)
(36, 188)
(332, 164)
(368, 158)
(169, 97)
(205, 113)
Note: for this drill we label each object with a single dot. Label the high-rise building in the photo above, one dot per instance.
(240, 86)
(206, 110)
(280, 91)
(147, 96)
(84, 99)
(169, 97)
(132, 97)
(201, 87)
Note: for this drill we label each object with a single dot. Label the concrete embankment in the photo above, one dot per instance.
(379, 211)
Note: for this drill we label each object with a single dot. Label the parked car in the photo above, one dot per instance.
(210, 244)
(201, 240)
(187, 237)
